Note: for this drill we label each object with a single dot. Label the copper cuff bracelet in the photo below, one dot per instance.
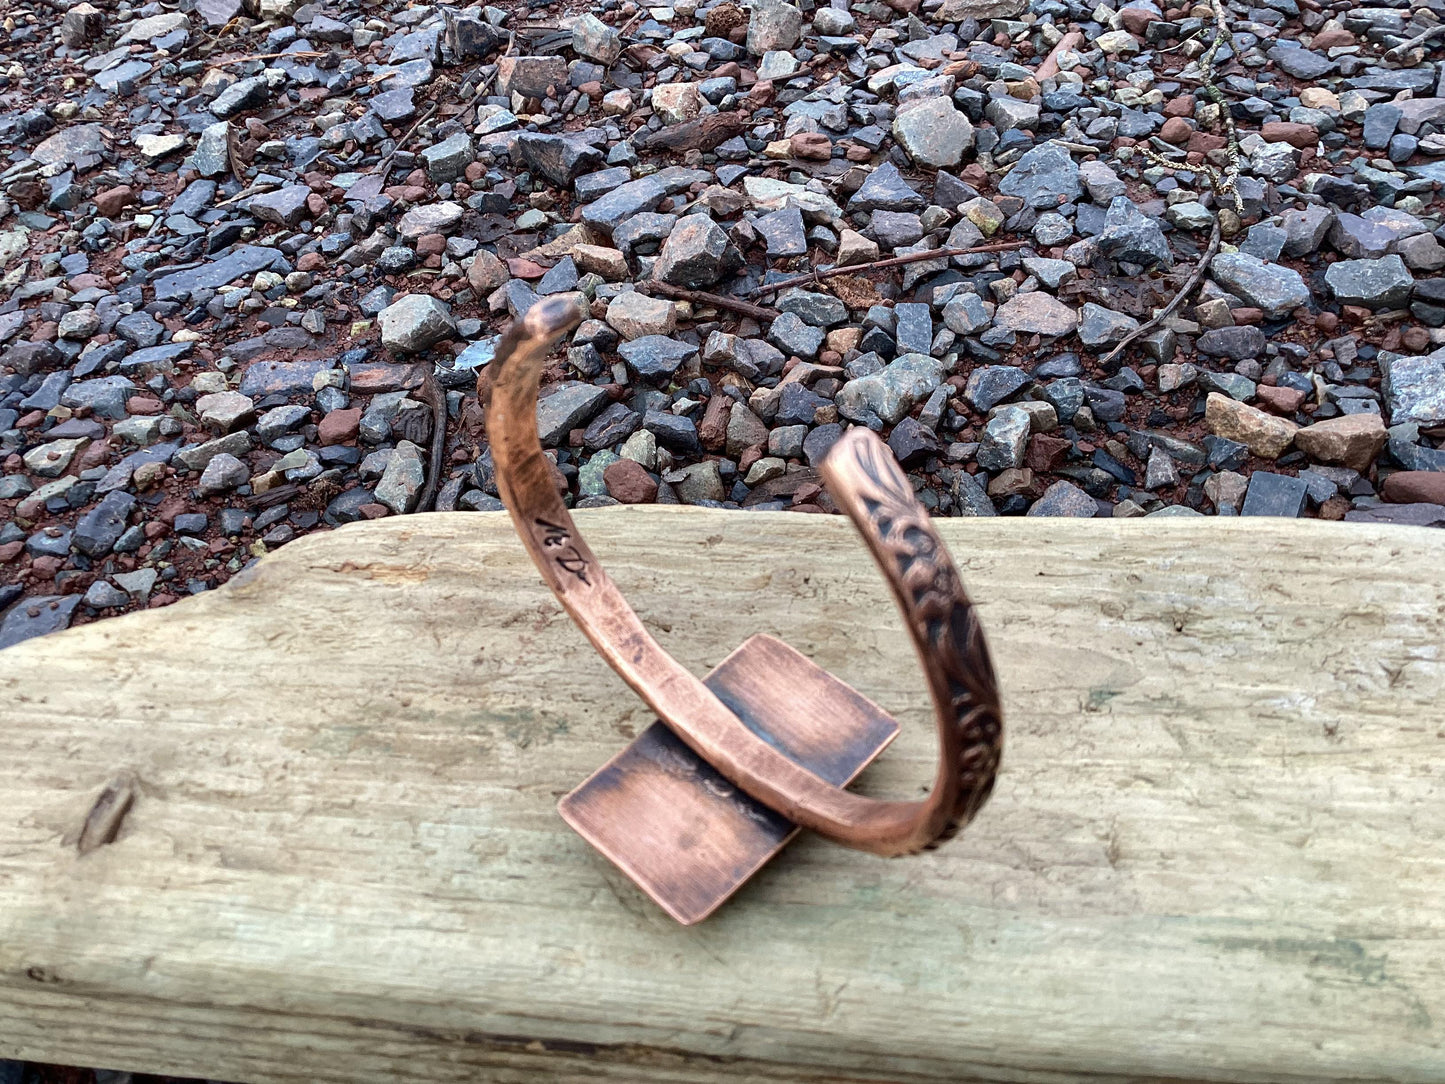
(737, 721)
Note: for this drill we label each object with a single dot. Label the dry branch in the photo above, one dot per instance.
(717, 301)
(1174, 302)
(878, 265)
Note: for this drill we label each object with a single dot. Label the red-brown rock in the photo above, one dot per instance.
(45, 568)
(1204, 142)
(1332, 39)
(1176, 130)
(1284, 401)
(339, 426)
(113, 201)
(1352, 440)
(713, 429)
(1047, 453)
(1303, 136)
(628, 482)
(144, 404)
(812, 145)
(1415, 487)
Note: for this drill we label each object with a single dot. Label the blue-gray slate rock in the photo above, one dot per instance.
(37, 616)
(1271, 494)
(99, 529)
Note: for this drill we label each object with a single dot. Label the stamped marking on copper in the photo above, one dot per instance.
(568, 557)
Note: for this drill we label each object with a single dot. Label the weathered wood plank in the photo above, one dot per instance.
(1216, 850)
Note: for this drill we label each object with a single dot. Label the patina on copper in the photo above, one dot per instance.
(867, 483)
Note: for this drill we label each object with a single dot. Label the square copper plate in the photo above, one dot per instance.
(686, 835)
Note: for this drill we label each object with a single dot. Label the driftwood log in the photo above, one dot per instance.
(321, 844)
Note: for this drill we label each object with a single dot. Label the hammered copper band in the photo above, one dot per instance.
(867, 483)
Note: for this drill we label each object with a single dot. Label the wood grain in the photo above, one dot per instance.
(1214, 853)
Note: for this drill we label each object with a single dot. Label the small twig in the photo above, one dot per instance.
(254, 190)
(431, 394)
(1418, 39)
(268, 121)
(717, 301)
(625, 27)
(232, 158)
(1174, 302)
(483, 89)
(188, 50)
(300, 54)
(877, 265)
(384, 166)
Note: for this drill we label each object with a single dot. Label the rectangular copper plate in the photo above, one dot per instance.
(689, 838)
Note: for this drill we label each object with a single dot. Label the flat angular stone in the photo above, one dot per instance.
(773, 25)
(530, 76)
(285, 207)
(100, 528)
(1234, 343)
(51, 459)
(891, 392)
(623, 203)
(394, 106)
(249, 93)
(1277, 290)
(37, 616)
(401, 482)
(1352, 440)
(793, 336)
(1271, 494)
(105, 395)
(1044, 177)
(1384, 283)
(885, 190)
(70, 145)
(783, 232)
(595, 40)
(570, 407)
(242, 261)
(1064, 499)
(655, 356)
(1004, 439)
(1300, 62)
(1265, 435)
(560, 159)
(447, 161)
(1133, 237)
(1099, 326)
(636, 315)
(934, 134)
(199, 457)
(442, 217)
(989, 385)
(1415, 389)
(1037, 313)
(415, 322)
(697, 254)
(225, 410)
(264, 378)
